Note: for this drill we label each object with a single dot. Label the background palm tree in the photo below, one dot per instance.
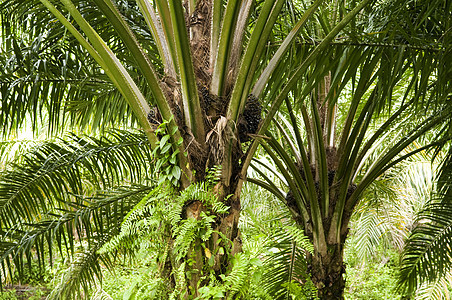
(353, 118)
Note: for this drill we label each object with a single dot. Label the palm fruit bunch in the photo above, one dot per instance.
(251, 118)
(154, 116)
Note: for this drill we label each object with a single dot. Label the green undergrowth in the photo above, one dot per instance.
(134, 280)
(371, 279)
(261, 271)
(34, 283)
(24, 292)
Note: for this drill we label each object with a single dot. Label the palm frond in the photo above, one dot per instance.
(47, 74)
(428, 251)
(271, 235)
(84, 226)
(388, 209)
(33, 82)
(286, 264)
(54, 172)
(11, 150)
(84, 268)
(437, 290)
(369, 234)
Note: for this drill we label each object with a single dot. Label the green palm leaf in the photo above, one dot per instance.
(40, 69)
(57, 170)
(428, 253)
(92, 219)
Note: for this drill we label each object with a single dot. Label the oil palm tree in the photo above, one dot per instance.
(362, 104)
(191, 75)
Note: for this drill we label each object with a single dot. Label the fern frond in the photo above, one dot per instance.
(179, 290)
(236, 280)
(202, 191)
(188, 231)
(143, 222)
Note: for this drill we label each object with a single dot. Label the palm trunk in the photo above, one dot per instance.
(327, 272)
(198, 267)
(193, 271)
(326, 265)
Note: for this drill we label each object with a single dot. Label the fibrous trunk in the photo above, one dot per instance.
(228, 238)
(326, 264)
(327, 272)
